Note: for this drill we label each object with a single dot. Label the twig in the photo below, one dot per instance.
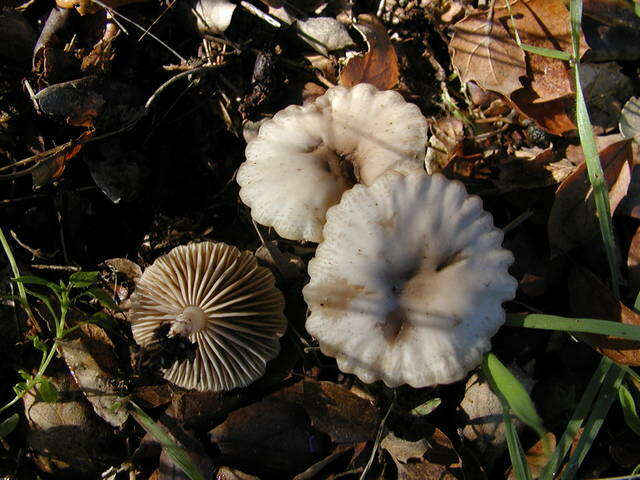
(119, 15)
(175, 78)
(169, 7)
(273, 21)
(376, 444)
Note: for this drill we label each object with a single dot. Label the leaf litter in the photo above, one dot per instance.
(131, 136)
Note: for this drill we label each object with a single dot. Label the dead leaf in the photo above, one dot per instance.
(590, 298)
(484, 52)
(447, 133)
(553, 116)
(483, 426)
(573, 220)
(540, 170)
(17, 38)
(425, 453)
(545, 23)
(633, 262)
(630, 118)
(606, 89)
(272, 436)
(90, 356)
(213, 16)
(342, 415)
(324, 34)
(54, 161)
(66, 437)
(128, 268)
(379, 66)
(612, 30)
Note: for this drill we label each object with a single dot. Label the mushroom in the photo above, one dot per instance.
(408, 284)
(305, 157)
(218, 298)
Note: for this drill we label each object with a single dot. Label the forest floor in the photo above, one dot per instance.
(122, 128)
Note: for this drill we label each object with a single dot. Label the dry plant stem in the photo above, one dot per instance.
(376, 443)
(177, 77)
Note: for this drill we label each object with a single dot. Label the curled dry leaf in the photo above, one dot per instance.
(573, 220)
(379, 66)
(484, 52)
(324, 34)
(591, 298)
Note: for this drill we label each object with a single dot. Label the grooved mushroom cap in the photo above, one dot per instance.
(304, 158)
(220, 299)
(408, 284)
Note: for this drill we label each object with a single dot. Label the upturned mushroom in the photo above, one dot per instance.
(408, 283)
(306, 157)
(218, 298)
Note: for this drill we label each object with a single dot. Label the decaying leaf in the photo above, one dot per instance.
(591, 298)
(630, 118)
(573, 220)
(54, 161)
(275, 433)
(539, 170)
(545, 23)
(483, 426)
(379, 66)
(66, 437)
(345, 417)
(553, 116)
(606, 90)
(89, 354)
(423, 454)
(484, 52)
(324, 34)
(447, 133)
(213, 16)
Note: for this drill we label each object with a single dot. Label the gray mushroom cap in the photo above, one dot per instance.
(220, 299)
(408, 283)
(305, 157)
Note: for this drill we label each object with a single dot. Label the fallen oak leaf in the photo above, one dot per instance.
(573, 220)
(484, 52)
(591, 298)
(379, 66)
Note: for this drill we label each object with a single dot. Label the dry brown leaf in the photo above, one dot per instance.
(541, 170)
(573, 220)
(553, 116)
(484, 52)
(423, 454)
(633, 262)
(591, 298)
(379, 66)
(545, 23)
(342, 415)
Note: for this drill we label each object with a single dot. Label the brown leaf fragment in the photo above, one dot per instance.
(573, 220)
(90, 356)
(537, 456)
(553, 116)
(633, 262)
(273, 436)
(379, 66)
(541, 170)
(426, 454)
(545, 24)
(342, 415)
(590, 298)
(484, 52)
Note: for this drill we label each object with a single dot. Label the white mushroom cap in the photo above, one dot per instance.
(221, 300)
(304, 158)
(408, 284)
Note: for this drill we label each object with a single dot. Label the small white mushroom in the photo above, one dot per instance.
(220, 299)
(305, 157)
(408, 284)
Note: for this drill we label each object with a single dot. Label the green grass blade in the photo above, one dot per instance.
(590, 150)
(629, 409)
(579, 415)
(601, 407)
(516, 453)
(16, 273)
(579, 325)
(509, 389)
(178, 455)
